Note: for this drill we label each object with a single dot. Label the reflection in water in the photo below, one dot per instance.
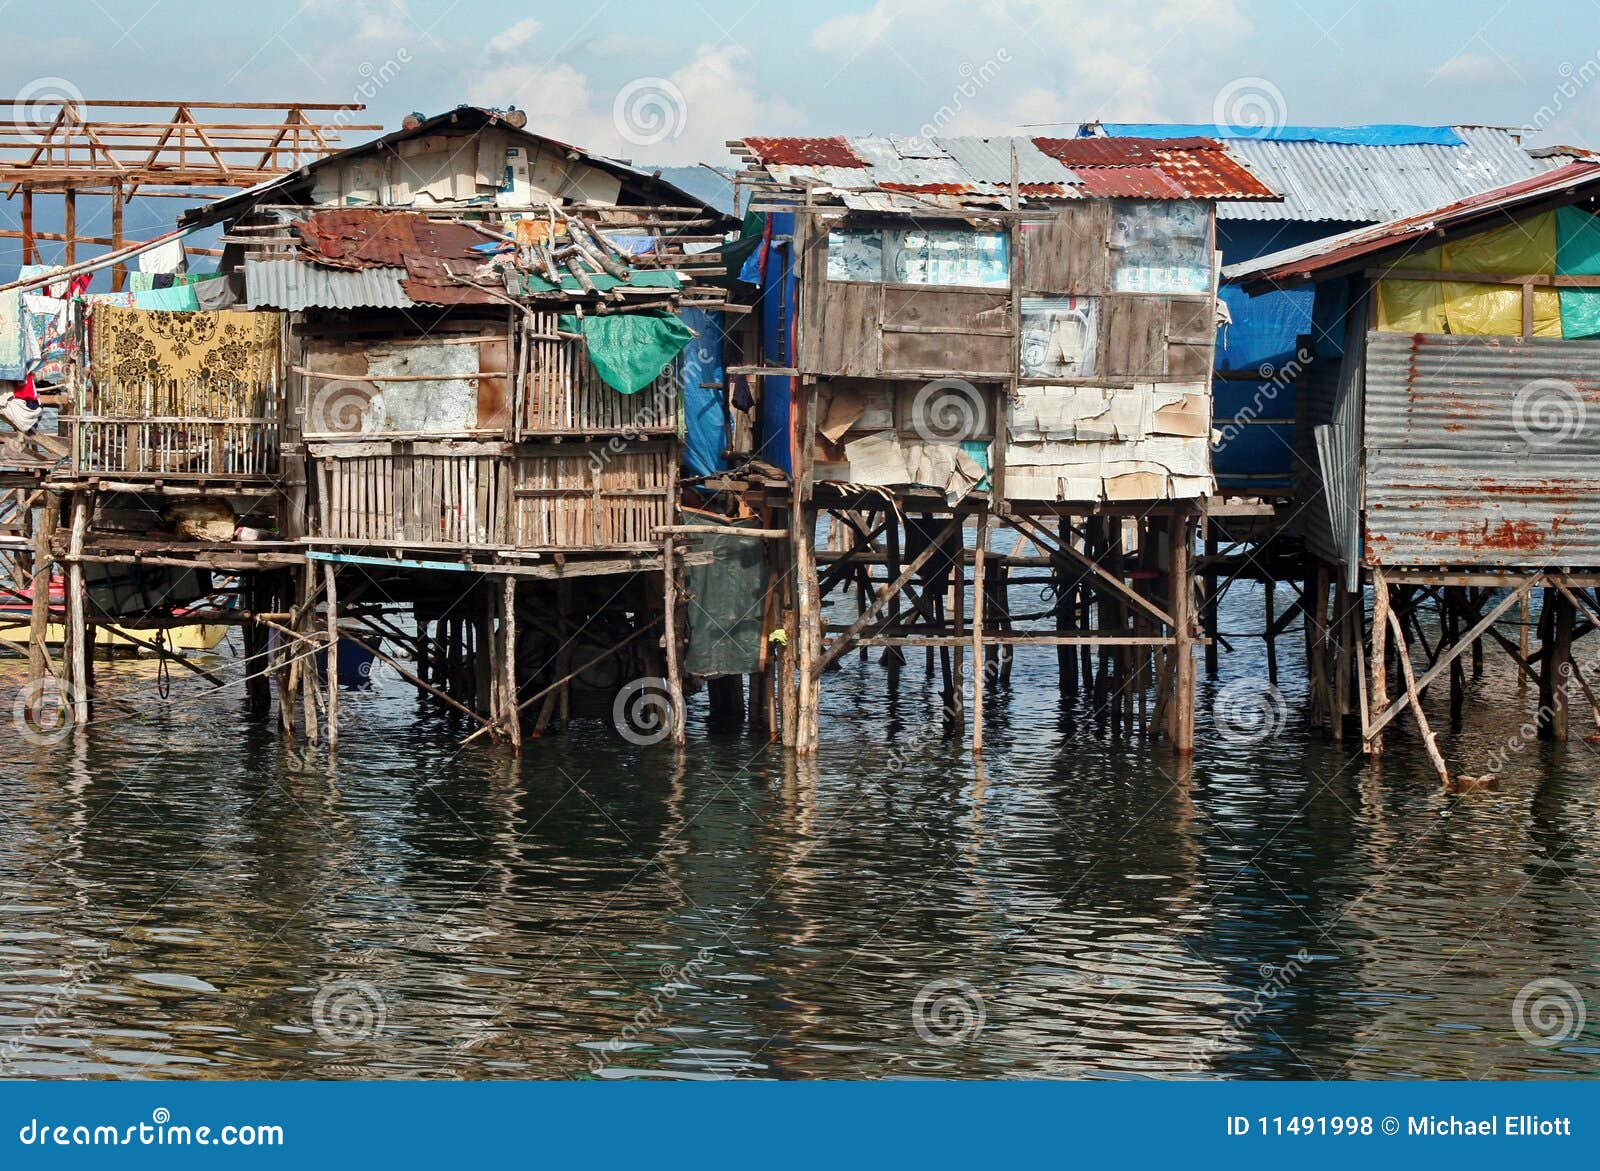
(183, 896)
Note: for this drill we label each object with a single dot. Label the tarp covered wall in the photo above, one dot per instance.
(705, 414)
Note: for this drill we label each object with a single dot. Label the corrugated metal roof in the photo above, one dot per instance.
(298, 284)
(1357, 183)
(965, 171)
(1482, 451)
(1325, 256)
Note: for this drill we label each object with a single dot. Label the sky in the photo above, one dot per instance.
(668, 83)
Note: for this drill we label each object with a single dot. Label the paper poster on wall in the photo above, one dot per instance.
(1159, 246)
(946, 256)
(1059, 336)
(939, 256)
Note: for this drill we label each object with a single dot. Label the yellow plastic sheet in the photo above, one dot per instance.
(1461, 307)
(1413, 306)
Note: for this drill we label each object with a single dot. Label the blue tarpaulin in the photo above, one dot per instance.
(778, 294)
(1383, 134)
(705, 415)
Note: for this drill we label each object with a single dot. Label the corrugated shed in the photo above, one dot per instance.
(297, 284)
(1482, 451)
(971, 172)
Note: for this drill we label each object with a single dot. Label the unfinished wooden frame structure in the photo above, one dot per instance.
(62, 144)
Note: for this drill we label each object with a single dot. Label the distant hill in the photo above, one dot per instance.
(713, 186)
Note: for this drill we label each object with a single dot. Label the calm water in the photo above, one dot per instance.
(181, 897)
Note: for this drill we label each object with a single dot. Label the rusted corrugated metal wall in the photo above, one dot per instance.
(1482, 452)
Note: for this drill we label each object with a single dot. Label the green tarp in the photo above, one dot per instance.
(630, 350)
(725, 603)
(1578, 254)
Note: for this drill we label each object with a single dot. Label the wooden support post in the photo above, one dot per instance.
(1211, 617)
(1269, 589)
(1066, 614)
(70, 224)
(980, 668)
(669, 576)
(1557, 667)
(1379, 695)
(30, 246)
(1180, 713)
(332, 653)
(509, 689)
(956, 709)
(808, 628)
(39, 664)
(77, 633)
(893, 657)
(119, 271)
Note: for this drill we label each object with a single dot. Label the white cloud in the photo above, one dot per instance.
(995, 65)
(685, 116)
(1469, 69)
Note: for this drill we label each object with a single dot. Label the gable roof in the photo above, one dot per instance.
(1335, 255)
(1358, 174)
(646, 186)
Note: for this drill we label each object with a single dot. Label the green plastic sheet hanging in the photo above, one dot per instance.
(630, 350)
(1578, 254)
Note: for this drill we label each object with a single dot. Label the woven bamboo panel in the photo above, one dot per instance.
(592, 495)
(563, 395)
(410, 496)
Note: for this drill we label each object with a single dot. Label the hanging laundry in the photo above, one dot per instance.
(166, 258)
(132, 345)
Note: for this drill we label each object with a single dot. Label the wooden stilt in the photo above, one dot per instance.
(1379, 695)
(1558, 666)
(1181, 712)
(979, 666)
(39, 664)
(331, 605)
(669, 574)
(512, 714)
(77, 633)
(1269, 590)
(1211, 616)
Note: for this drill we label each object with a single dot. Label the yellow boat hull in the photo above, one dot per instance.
(180, 638)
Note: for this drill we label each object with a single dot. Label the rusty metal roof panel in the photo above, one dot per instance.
(973, 171)
(832, 151)
(293, 285)
(1482, 452)
(1157, 168)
